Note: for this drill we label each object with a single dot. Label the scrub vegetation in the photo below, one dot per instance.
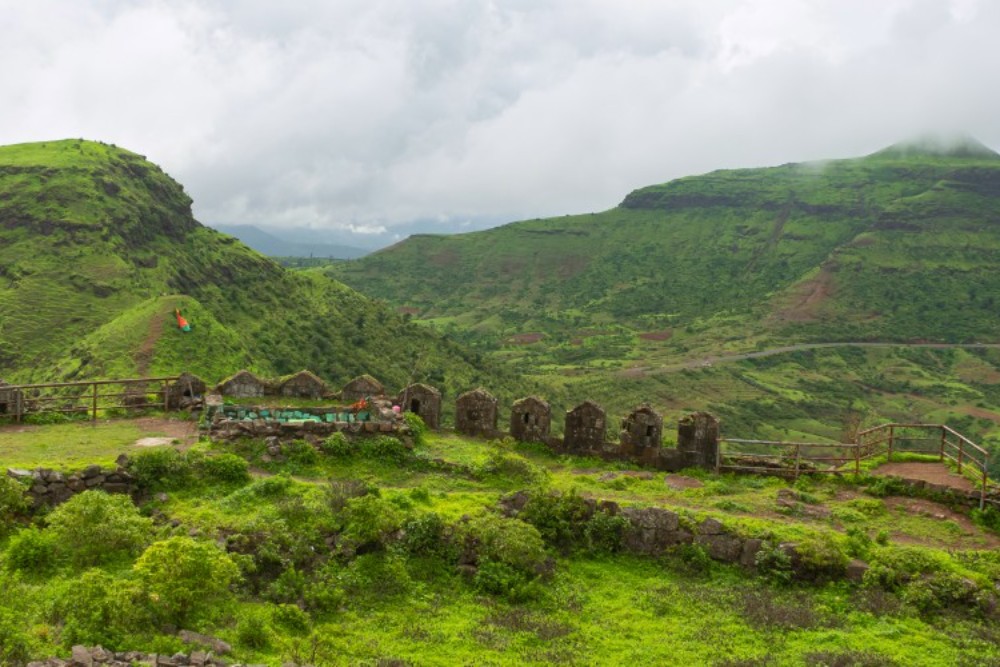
(368, 553)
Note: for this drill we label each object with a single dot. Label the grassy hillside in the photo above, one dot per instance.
(900, 245)
(98, 246)
(374, 554)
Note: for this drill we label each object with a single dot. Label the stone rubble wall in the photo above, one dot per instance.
(82, 656)
(51, 487)
(654, 531)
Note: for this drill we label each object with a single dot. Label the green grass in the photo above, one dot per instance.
(594, 610)
(69, 446)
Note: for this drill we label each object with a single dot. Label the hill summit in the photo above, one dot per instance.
(939, 145)
(98, 246)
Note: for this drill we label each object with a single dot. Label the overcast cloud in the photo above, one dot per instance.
(371, 114)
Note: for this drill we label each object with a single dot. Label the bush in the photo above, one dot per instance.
(252, 630)
(337, 445)
(774, 563)
(377, 575)
(266, 487)
(339, 491)
(509, 541)
(290, 586)
(300, 453)
(510, 466)
(371, 519)
(503, 580)
(160, 468)
(384, 448)
(559, 518)
(291, 618)
(94, 527)
(225, 469)
(13, 501)
(100, 609)
(987, 518)
(15, 646)
(604, 532)
(185, 578)
(821, 555)
(33, 551)
(428, 535)
(418, 429)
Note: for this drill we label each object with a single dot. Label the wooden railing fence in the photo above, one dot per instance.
(837, 458)
(93, 396)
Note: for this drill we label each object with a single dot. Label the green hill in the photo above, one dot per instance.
(97, 248)
(900, 245)
(656, 299)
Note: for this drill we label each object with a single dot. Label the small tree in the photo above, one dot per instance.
(94, 528)
(185, 578)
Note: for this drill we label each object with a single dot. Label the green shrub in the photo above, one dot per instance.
(881, 487)
(939, 590)
(339, 491)
(859, 544)
(774, 563)
(160, 468)
(371, 519)
(509, 541)
(185, 578)
(252, 630)
(265, 487)
(291, 618)
(384, 448)
(337, 445)
(892, 567)
(987, 518)
(16, 646)
(290, 586)
(33, 551)
(509, 466)
(421, 495)
(300, 452)
(13, 502)
(604, 532)
(378, 575)
(503, 580)
(821, 556)
(418, 429)
(428, 535)
(100, 609)
(559, 518)
(225, 469)
(94, 527)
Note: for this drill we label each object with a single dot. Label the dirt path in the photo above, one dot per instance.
(935, 473)
(144, 355)
(185, 431)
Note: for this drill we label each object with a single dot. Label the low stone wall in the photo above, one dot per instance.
(51, 487)
(653, 531)
(946, 494)
(231, 429)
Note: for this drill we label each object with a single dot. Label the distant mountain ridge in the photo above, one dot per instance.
(273, 246)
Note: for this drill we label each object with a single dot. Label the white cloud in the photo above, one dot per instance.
(369, 114)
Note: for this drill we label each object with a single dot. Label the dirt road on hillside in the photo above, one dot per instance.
(703, 362)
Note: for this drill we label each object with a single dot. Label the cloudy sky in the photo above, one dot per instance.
(369, 115)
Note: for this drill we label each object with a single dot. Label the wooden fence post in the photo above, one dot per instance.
(944, 437)
(892, 435)
(798, 454)
(93, 416)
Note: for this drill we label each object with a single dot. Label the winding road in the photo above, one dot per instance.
(726, 358)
